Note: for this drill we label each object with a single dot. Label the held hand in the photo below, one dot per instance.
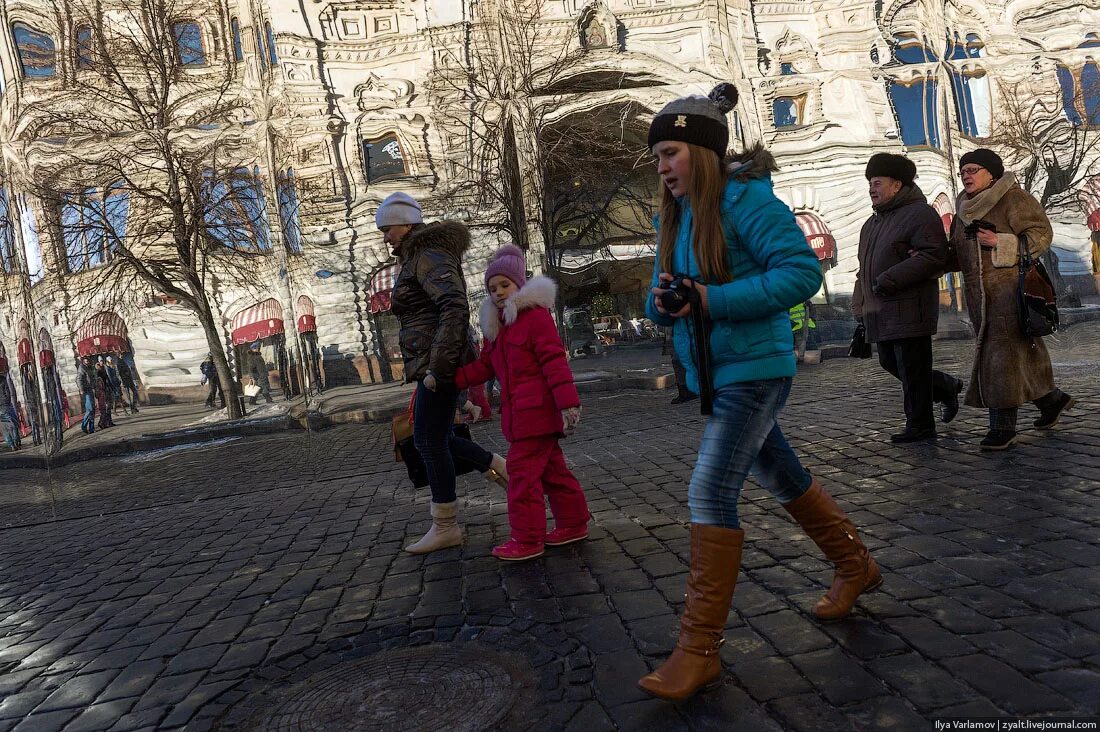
(570, 418)
(471, 409)
(987, 239)
(429, 381)
(702, 290)
(662, 280)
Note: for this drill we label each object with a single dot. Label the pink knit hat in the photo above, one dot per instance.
(508, 261)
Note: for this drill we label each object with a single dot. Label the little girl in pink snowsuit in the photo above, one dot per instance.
(538, 405)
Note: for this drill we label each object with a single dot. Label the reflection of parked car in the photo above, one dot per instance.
(579, 334)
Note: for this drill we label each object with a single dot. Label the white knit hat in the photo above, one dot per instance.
(398, 209)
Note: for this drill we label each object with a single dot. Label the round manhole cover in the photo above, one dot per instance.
(461, 688)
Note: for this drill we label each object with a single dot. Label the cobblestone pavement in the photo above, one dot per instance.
(178, 588)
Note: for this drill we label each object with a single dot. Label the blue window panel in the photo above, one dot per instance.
(37, 53)
(1090, 92)
(72, 234)
(1069, 92)
(238, 49)
(956, 50)
(288, 213)
(236, 214)
(964, 104)
(32, 249)
(189, 48)
(787, 69)
(84, 47)
(909, 107)
(931, 113)
(1091, 41)
(270, 45)
(974, 46)
(910, 50)
(117, 215)
(7, 234)
(784, 112)
(94, 220)
(260, 49)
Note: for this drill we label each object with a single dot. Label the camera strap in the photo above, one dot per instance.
(701, 347)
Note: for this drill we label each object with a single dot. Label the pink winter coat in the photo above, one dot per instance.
(523, 350)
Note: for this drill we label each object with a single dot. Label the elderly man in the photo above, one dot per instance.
(902, 251)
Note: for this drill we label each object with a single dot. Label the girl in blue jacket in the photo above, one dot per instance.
(721, 226)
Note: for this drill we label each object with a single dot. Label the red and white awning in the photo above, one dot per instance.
(46, 356)
(102, 333)
(818, 236)
(381, 288)
(257, 322)
(307, 316)
(943, 207)
(23, 346)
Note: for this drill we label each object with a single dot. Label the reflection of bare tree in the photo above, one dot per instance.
(523, 153)
(155, 187)
(1056, 152)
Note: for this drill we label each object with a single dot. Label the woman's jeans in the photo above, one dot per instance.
(88, 422)
(741, 436)
(433, 418)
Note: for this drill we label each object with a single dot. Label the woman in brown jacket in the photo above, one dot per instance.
(994, 216)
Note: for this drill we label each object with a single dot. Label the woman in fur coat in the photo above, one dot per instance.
(1009, 367)
(538, 405)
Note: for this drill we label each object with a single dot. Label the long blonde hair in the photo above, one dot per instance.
(708, 240)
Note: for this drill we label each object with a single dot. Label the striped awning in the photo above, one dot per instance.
(818, 236)
(381, 288)
(257, 322)
(307, 316)
(102, 333)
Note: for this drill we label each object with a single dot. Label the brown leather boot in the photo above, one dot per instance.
(834, 533)
(694, 663)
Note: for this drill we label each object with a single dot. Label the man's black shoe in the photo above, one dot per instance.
(951, 406)
(1051, 417)
(913, 436)
(998, 440)
(684, 396)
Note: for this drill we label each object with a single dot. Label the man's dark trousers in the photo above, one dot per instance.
(910, 360)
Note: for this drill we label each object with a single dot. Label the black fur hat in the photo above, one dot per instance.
(888, 165)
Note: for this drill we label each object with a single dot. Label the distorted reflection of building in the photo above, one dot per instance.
(344, 103)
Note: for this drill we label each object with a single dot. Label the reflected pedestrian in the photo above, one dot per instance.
(87, 381)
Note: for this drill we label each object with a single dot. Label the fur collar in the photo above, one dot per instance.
(450, 236)
(972, 208)
(754, 162)
(539, 292)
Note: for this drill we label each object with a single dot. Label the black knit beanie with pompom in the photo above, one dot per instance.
(697, 120)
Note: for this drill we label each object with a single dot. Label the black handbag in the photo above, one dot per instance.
(859, 348)
(1036, 302)
(418, 474)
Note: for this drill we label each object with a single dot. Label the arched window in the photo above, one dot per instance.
(93, 225)
(32, 248)
(1081, 93)
(238, 49)
(260, 53)
(382, 159)
(236, 215)
(288, 211)
(37, 53)
(969, 85)
(914, 96)
(270, 45)
(84, 47)
(788, 111)
(190, 50)
(1091, 41)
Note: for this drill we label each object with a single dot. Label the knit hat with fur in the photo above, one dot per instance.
(510, 262)
(697, 120)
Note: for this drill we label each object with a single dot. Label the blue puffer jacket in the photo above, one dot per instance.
(773, 269)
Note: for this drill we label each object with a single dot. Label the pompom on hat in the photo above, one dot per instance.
(697, 120)
(888, 165)
(510, 262)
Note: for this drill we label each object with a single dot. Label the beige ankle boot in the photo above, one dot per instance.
(445, 531)
(497, 472)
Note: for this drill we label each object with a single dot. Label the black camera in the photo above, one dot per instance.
(677, 294)
(973, 227)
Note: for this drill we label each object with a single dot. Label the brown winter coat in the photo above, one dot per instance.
(1009, 368)
(429, 298)
(902, 252)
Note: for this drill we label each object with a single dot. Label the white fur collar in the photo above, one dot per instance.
(538, 292)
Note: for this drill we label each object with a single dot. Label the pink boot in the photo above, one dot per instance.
(560, 537)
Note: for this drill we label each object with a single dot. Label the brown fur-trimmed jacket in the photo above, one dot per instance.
(430, 300)
(1009, 368)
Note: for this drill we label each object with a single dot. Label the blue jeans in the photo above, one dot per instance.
(88, 423)
(433, 417)
(742, 436)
